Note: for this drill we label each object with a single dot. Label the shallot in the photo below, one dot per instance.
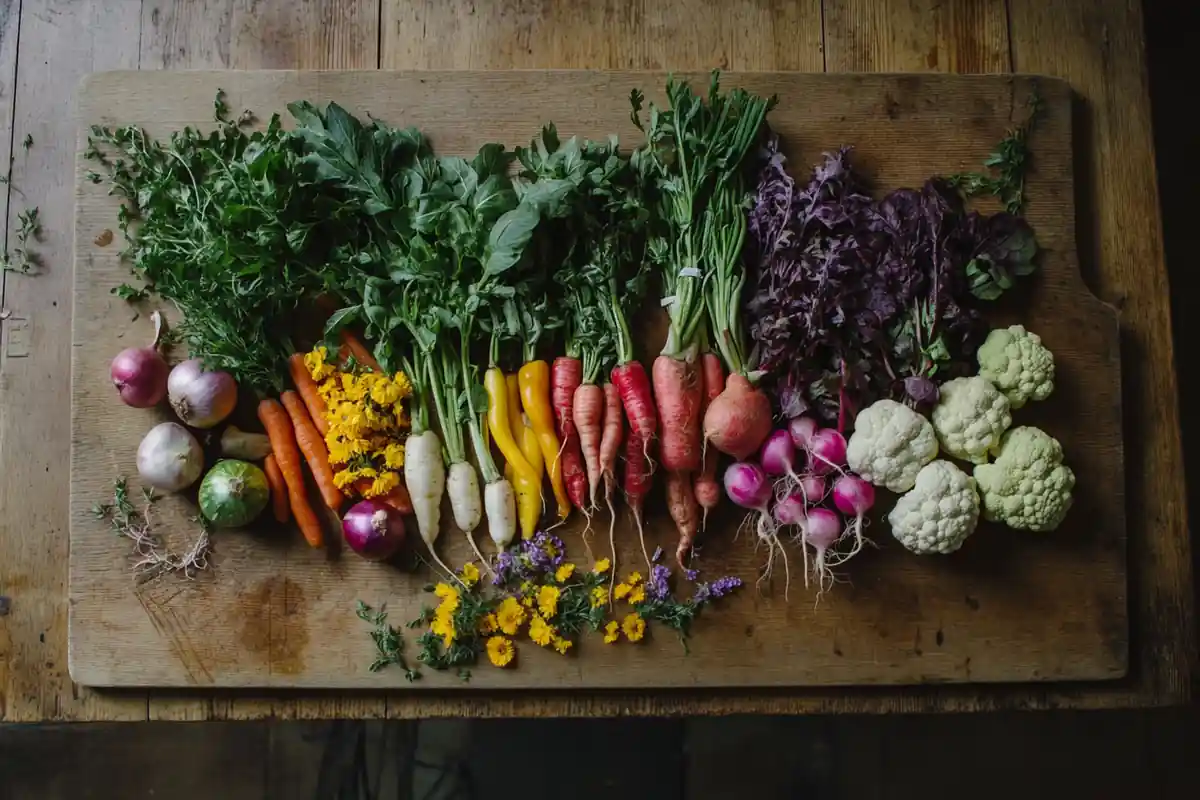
(169, 457)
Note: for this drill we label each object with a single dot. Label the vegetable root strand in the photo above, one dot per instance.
(767, 532)
(612, 539)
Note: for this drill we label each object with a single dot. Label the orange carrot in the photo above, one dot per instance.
(307, 388)
(279, 430)
(279, 490)
(353, 346)
(588, 412)
(313, 447)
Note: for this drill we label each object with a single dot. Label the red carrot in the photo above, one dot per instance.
(565, 377)
(638, 400)
(637, 483)
(681, 503)
(707, 489)
(678, 394)
(588, 412)
(610, 440)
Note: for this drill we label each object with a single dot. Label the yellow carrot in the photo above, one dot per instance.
(534, 381)
(526, 483)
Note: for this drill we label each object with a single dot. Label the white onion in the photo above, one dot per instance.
(202, 399)
(169, 457)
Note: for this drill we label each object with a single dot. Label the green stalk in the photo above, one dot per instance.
(475, 417)
(725, 233)
(415, 370)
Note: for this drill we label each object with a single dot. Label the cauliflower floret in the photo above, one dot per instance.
(939, 513)
(1028, 486)
(890, 444)
(970, 417)
(1018, 363)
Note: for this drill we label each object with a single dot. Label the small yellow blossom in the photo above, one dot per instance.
(510, 616)
(563, 573)
(318, 367)
(443, 625)
(547, 600)
(384, 392)
(448, 594)
(393, 455)
(599, 597)
(634, 627)
(488, 624)
(500, 651)
(540, 631)
(344, 478)
(602, 566)
(634, 578)
(637, 595)
(527, 601)
(470, 574)
(562, 645)
(612, 632)
(622, 591)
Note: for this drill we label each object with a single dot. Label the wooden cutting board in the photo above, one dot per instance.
(271, 612)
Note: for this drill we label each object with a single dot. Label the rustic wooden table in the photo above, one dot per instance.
(46, 46)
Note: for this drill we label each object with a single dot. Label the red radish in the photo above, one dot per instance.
(790, 510)
(826, 452)
(748, 486)
(634, 387)
(678, 394)
(812, 489)
(706, 488)
(739, 419)
(802, 430)
(611, 438)
(681, 503)
(565, 377)
(854, 497)
(637, 484)
(588, 414)
(140, 373)
(820, 530)
(778, 454)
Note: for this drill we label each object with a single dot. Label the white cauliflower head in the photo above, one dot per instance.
(1027, 487)
(970, 417)
(1018, 363)
(939, 513)
(890, 444)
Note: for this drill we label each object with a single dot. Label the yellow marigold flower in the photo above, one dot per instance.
(393, 456)
(564, 572)
(547, 600)
(469, 574)
(527, 601)
(637, 595)
(602, 566)
(488, 624)
(344, 478)
(384, 392)
(500, 651)
(612, 632)
(510, 616)
(562, 645)
(599, 597)
(443, 625)
(634, 578)
(449, 595)
(403, 384)
(383, 484)
(339, 453)
(540, 631)
(634, 627)
(317, 366)
(622, 591)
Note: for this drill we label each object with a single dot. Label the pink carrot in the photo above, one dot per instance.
(707, 488)
(588, 412)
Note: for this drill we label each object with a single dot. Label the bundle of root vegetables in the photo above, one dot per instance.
(502, 304)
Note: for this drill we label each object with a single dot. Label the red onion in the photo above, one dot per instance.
(200, 398)
(373, 529)
(140, 373)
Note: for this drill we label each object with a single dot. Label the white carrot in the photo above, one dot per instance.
(425, 476)
(501, 504)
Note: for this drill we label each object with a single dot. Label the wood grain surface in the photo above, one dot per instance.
(273, 613)
(1095, 45)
